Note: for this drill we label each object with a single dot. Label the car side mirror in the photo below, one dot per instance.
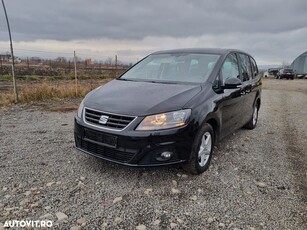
(232, 83)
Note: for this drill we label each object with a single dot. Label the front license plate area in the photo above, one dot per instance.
(101, 137)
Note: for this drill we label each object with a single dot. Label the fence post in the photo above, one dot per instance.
(76, 79)
(1, 65)
(115, 66)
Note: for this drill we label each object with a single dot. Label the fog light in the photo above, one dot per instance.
(166, 155)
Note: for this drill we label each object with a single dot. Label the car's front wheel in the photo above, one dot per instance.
(201, 150)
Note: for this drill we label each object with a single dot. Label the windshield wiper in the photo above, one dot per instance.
(162, 82)
(124, 79)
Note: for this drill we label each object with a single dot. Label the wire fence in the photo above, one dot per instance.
(60, 68)
(77, 76)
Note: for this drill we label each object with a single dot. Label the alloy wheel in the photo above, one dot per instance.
(205, 149)
(255, 115)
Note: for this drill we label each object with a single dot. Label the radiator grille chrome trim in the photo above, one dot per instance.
(115, 122)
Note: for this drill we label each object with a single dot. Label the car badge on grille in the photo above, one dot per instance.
(103, 120)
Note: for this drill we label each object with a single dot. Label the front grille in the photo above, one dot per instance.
(106, 152)
(107, 120)
(85, 139)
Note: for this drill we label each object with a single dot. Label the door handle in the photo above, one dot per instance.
(248, 88)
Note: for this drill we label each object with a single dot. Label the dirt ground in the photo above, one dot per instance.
(257, 179)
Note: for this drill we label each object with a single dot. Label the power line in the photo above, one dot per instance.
(42, 51)
(60, 52)
(89, 54)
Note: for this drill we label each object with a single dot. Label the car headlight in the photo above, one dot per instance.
(165, 120)
(80, 109)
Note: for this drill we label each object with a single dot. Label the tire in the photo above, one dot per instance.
(203, 143)
(253, 121)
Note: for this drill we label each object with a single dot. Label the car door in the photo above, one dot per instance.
(249, 86)
(246, 76)
(231, 105)
(255, 83)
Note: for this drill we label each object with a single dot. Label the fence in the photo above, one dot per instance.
(61, 69)
(42, 79)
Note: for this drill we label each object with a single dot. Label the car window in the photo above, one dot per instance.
(230, 68)
(246, 68)
(255, 69)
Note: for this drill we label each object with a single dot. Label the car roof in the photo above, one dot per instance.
(199, 50)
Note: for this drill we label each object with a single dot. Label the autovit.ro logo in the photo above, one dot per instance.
(27, 223)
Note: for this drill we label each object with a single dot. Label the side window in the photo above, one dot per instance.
(255, 68)
(230, 68)
(246, 68)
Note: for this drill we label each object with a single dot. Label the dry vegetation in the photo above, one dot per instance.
(39, 91)
(53, 80)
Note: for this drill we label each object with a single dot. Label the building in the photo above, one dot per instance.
(5, 56)
(299, 65)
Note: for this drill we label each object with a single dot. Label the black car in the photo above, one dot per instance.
(170, 108)
(285, 73)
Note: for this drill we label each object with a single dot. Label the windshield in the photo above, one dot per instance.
(179, 67)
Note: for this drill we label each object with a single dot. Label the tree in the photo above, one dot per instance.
(61, 59)
(108, 61)
(285, 64)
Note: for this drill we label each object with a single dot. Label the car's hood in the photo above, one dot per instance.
(140, 98)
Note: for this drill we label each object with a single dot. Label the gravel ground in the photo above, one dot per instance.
(257, 179)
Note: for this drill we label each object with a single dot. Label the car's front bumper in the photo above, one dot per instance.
(134, 148)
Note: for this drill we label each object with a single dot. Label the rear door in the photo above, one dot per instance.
(250, 85)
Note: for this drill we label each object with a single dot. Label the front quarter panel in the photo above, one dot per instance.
(205, 106)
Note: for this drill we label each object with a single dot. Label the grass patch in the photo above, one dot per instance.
(5, 77)
(6, 99)
(32, 78)
(45, 92)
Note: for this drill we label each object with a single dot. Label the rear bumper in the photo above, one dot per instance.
(134, 148)
(287, 76)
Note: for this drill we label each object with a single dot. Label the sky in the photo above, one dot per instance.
(272, 31)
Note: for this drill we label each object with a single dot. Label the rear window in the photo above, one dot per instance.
(255, 67)
(246, 68)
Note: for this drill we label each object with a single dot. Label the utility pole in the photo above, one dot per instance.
(1, 65)
(76, 79)
(12, 53)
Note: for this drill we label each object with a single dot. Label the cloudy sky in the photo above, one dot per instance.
(272, 31)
